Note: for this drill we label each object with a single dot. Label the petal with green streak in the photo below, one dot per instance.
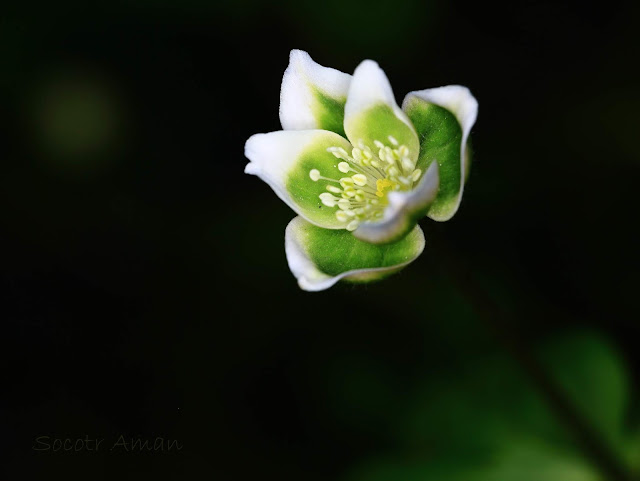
(371, 112)
(321, 257)
(312, 96)
(443, 118)
(284, 159)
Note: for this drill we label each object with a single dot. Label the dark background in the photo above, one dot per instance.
(145, 290)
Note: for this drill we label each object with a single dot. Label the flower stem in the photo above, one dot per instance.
(501, 323)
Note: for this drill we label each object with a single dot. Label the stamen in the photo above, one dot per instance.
(315, 175)
(363, 196)
(328, 199)
(346, 182)
(353, 225)
(344, 204)
(342, 216)
(359, 179)
(406, 163)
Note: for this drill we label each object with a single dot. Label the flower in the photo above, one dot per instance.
(360, 171)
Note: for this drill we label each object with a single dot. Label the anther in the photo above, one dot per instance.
(406, 163)
(346, 182)
(344, 204)
(342, 216)
(328, 199)
(353, 225)
(359, 179)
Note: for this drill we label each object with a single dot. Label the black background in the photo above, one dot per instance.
(145, 290)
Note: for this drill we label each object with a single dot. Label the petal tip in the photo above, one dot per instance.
(251, 146)
(251, 168)
(302, 78)
(458, 99)
(309, 286)
(367, 64)
(296, 55)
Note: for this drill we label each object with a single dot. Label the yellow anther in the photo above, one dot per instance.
(383, 186)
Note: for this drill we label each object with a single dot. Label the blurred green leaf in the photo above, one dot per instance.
(484, 420)
(518, 462)
(593, 377)
(632, 453)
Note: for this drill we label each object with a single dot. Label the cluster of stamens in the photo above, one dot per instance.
(362, 195)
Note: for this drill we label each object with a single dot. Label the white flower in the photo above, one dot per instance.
(359, 170)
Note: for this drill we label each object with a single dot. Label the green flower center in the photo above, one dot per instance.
(364, 195)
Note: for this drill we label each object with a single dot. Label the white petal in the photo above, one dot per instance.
(369, 90)
(403, 211)
(302, 81)
(462, 104)
(311, 278)
(284, 160)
